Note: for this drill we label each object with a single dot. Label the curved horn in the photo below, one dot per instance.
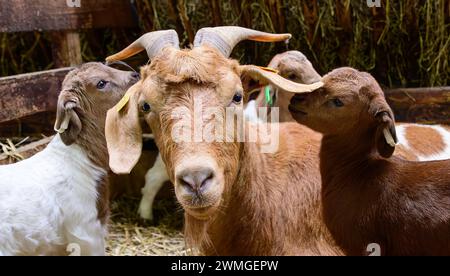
(152, 42)
(226, 38)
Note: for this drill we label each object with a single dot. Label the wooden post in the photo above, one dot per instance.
(66, 48)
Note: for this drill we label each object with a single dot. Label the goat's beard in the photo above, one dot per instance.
(196, 234)
(196, 227)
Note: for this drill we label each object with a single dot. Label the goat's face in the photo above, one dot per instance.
(292, 65)
(333, 108)
(349, 102)
(183, 96)
(104, 86)
(88, 92)
(177, 87)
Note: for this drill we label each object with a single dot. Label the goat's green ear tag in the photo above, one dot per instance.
(123, 102)
(268, 96)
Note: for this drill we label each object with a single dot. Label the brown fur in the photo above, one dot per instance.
(272, 206)
(79, 87)
(296, 67)
(424, 141)
(259, 204)
(367, 196)
(405, 153)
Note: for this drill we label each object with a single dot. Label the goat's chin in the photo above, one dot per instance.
(201, 209)
(201, 213)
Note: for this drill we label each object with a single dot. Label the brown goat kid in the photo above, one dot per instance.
(237, 200)
(416, 142)
(367, 195)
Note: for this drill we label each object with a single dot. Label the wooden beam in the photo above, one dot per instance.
(28, 94)
(429, 105)
(66, 48)
(44, 15)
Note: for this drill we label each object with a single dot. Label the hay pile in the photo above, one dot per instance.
(404, 43)
(130, 236)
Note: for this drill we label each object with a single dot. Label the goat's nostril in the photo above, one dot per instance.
(187, 182)
(196, 180)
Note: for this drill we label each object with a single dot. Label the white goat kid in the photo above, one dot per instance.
(58, 199)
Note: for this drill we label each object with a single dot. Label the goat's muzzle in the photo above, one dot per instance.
(198, 184)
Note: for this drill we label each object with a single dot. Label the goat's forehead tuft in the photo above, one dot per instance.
(201, 65)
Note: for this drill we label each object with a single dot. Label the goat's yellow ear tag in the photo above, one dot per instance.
(268, 69)
(123, 102)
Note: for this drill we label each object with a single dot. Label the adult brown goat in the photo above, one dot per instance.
(237, 200)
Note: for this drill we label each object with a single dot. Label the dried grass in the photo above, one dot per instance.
(130, 236)
(403, 43)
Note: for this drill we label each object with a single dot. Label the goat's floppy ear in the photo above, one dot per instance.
(385, 136)
(267, 76)
(124, 133)
(68, 123)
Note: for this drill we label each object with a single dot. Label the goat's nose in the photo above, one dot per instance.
(195, 180)
(135, 75)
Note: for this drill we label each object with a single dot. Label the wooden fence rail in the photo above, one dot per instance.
(34, 93)
(29, 94)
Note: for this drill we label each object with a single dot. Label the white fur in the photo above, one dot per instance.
(251, 112)
(445, 134)
(154, 180)
(49, 201)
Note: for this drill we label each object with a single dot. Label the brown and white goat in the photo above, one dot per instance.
(367, 195)
(59, 197)
(415, 141)
(237, 200)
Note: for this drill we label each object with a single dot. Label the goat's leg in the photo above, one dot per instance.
(87, 241)
(154, 180)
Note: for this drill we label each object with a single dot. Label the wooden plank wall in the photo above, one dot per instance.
(29, 94)
(64, 20)
(44, 15)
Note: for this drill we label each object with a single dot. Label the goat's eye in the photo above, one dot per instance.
(291, 76)
(102, 84)
(237, 98)
(146, 107)
(337, 102)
